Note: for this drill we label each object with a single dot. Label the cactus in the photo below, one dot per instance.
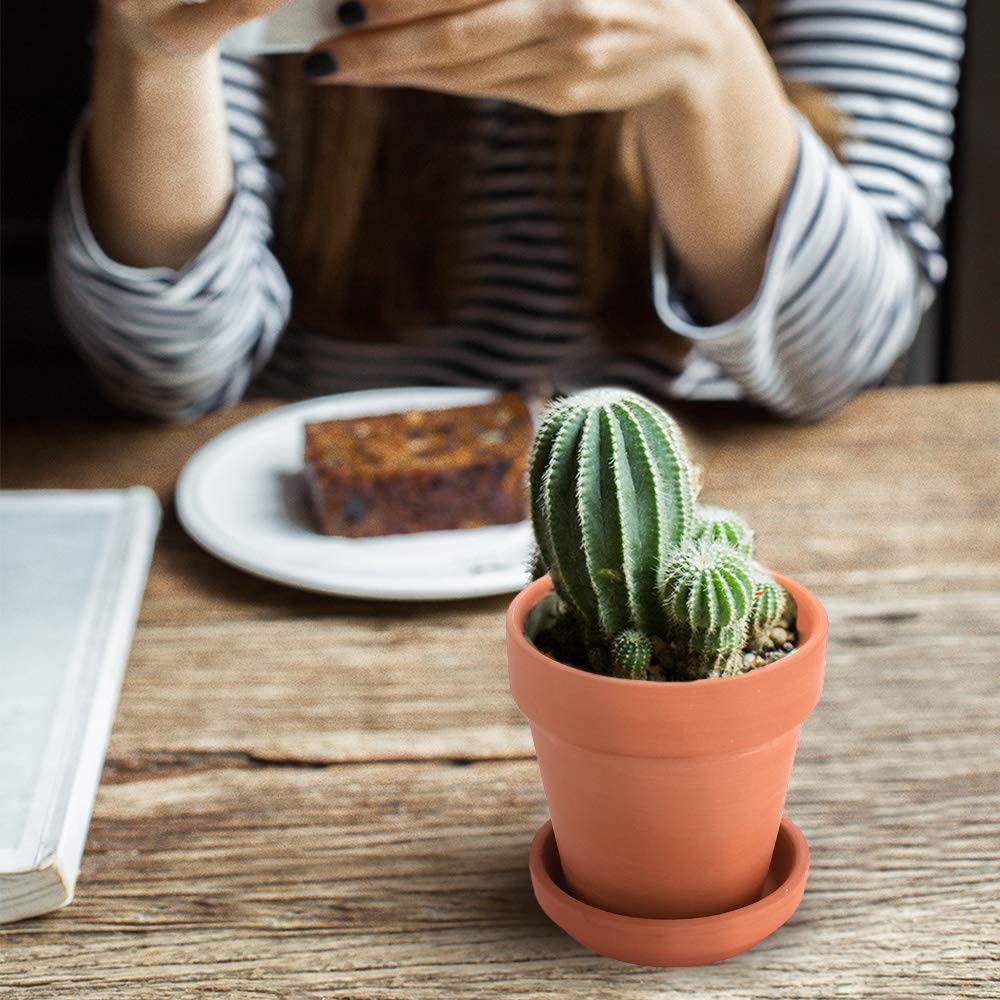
(718, 525)
(630, 654)
(769, 605)
(708, 589)
(647, 579)
(610, 490)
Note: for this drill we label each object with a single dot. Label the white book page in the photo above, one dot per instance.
(72, 568)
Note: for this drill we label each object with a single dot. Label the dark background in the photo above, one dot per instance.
(44, 84)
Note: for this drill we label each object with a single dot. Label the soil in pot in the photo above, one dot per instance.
(546, 627)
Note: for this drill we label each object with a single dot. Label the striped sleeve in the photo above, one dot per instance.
(175, 344)
(855, 256)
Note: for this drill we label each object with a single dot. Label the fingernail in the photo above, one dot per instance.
(320, 63)
(351, 13)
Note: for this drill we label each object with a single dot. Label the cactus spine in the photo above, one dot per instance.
(610, 490)
(632, 558)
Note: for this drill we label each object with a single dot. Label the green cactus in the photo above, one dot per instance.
(708, 590)
(648, 580)
(631, 653)
(611, 489)
(770, 604)
(718, 525)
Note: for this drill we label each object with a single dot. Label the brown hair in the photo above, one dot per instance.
(371, 175)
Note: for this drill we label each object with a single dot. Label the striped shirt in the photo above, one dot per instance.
(854, 258)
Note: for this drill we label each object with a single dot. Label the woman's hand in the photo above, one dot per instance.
(716, 131)
(178, 27)
(561, 56)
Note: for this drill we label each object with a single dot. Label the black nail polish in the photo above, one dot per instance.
(351, 13)
(320, 63)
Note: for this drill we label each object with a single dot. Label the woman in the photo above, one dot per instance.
(505, 191)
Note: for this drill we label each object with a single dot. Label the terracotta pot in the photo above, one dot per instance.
(666, 798)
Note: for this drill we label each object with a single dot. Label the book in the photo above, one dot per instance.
(73, 569)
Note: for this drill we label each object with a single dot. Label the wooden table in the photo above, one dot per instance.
(308, 797)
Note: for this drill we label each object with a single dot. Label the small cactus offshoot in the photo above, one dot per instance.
(631, 653)
(708, 590)
(637, 565)
(717, 525)
(770, 604)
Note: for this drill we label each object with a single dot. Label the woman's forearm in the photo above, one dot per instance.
(720, 152)
(157, 171)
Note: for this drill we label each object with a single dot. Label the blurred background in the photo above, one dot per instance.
(45, 69)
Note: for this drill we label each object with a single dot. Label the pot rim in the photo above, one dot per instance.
(667, 718)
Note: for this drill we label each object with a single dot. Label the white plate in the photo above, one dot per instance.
(241, 497)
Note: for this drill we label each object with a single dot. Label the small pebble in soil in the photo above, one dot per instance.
(770, 650)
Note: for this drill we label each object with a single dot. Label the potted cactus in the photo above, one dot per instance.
(665, 676)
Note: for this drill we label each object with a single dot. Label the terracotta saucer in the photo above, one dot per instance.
(689, 941)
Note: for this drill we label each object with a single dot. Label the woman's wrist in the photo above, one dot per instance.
(720, 149)
(130, 52)
(728, 67)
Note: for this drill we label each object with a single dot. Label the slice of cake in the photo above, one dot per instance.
(422, 470)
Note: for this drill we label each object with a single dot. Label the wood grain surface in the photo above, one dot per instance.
(312, 797)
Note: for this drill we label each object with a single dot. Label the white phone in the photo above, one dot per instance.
(296, 27)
